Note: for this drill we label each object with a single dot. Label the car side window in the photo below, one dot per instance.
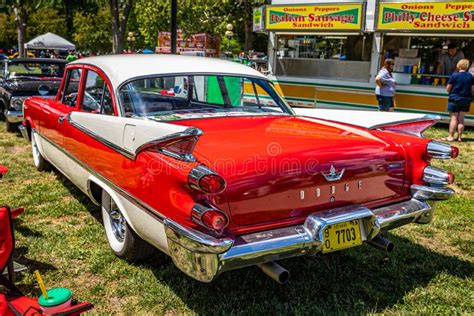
(97, 97)
(71, 88)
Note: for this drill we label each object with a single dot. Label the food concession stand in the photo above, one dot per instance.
(328, 53)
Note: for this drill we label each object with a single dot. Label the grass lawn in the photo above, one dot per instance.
(431, 269)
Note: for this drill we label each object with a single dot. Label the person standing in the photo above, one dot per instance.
(71, 56)
(460, 98)
(448, 61)
(385, 86)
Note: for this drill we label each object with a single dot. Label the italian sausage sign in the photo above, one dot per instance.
(326, 17)
(426, 16)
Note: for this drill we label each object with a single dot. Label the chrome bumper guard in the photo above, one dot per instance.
(203, 257)
(24, 132)
(14, 116)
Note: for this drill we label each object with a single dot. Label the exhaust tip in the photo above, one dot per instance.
(389, 247)
(275, 271)
(381, 243)
(284, 277)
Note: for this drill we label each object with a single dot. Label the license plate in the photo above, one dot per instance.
(341, 236)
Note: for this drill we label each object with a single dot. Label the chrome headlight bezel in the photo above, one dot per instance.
(16, 103)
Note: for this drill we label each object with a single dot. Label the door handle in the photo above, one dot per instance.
(61, 119)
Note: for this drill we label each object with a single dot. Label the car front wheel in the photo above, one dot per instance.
(123, 241)
(40, 163)
(11, 127)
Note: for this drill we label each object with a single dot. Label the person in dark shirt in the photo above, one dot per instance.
(460, 98)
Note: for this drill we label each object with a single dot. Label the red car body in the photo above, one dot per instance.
(223, 190)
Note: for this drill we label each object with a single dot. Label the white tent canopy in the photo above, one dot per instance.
(50, 41)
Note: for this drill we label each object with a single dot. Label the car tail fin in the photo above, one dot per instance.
(180, 145)
(415, 127)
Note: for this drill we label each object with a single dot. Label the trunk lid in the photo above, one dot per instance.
(285, 167)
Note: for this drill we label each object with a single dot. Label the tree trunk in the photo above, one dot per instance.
(248, 45)
(119, 24)
(248, 25)
(21, 30)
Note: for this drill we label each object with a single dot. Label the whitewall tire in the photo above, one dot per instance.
(123, 241)
(40, 163)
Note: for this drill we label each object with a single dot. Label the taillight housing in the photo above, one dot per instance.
(439, 150)
(437, 177)
(209, 217)
(203, 179)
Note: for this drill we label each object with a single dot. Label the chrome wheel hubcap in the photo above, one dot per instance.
(117, 221)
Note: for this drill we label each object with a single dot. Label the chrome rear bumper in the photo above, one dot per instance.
(204, 257)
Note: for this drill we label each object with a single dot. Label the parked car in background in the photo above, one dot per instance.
(204, 160)
(21, 78)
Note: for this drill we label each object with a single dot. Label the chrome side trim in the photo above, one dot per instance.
(142, 205)
(425, 193)
(435, 176)
(189, 132)
(438, 150)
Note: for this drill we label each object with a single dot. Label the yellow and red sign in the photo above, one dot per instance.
(431, 16)
(324, 17)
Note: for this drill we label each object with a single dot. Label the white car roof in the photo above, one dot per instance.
(120, 68)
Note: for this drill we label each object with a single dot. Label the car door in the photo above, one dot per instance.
(96, 98)
(55, 114)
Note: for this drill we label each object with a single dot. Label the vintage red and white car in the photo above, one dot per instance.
(204, 160)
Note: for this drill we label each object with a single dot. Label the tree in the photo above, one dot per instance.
(70, 7)
(149, 18)
(119, 11)
(8, 34)
(91, 33)
(21, 10)
(46, 20)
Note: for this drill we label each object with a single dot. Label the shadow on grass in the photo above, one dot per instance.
(19, 256)
(24, 230)
(357, 280)
(80, 196)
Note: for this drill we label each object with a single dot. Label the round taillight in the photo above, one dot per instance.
(454, 151)
(203, 179)
(214, 220)
(212, 183)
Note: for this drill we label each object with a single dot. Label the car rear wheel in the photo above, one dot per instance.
(40, 163)
(123, 241)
